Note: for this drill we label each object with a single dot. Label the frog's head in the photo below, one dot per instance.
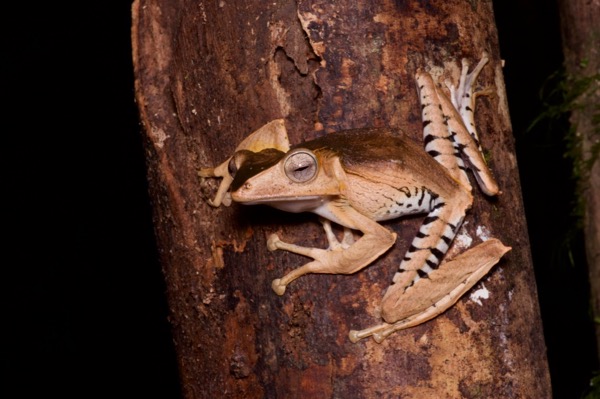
(296, 181)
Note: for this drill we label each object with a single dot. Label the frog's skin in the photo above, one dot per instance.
(357, 178)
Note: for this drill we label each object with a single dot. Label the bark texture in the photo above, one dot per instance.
(208, 74)
(580, 20)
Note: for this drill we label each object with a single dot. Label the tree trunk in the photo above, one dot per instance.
(210, 73)
(580, 20)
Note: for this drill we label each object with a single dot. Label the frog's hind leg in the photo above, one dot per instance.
(437, 136)
(449, 132)
(426, 251)
(443, 288)
(464, 96)
(448, 141)
(461, 109)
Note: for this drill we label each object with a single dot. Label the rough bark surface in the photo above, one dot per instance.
(208, 74)
(580, 20)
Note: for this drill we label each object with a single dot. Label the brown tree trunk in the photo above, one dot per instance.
(580, 20)
(208, 74)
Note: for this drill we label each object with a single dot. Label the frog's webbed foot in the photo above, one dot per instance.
(464, 96)
(461, 95)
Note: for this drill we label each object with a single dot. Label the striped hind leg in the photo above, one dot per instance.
(398, 306)
(425, 252)
(464, 96)
(438, 137)
(449, 132)
(441, 289)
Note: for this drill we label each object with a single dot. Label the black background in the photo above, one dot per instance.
(85, 313)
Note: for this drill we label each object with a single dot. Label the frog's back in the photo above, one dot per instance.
(378, 150)
(358, 146)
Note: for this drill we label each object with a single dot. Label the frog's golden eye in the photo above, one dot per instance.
(301, 166)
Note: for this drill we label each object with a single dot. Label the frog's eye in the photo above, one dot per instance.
(236, 161)
(300, 166)
(232, 168)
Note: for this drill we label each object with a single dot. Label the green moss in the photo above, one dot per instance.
(561, 95)
(594, 390)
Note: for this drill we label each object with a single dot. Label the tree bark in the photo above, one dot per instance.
(580, 20)
(210, 73)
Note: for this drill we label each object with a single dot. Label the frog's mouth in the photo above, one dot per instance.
(293, 204)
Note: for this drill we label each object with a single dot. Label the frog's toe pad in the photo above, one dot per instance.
(354, 336)
(272, 242)
(278, 287)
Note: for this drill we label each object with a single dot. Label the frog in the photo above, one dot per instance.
(361, 177)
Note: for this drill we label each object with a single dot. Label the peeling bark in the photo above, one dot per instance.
(208, 74)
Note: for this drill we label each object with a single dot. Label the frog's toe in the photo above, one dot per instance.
(278, 287)
(272, 242)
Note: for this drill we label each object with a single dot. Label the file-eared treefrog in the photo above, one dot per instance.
(356, 178)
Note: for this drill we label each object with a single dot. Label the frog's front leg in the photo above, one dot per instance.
(346, 257)
(270, 135)
(334, 243)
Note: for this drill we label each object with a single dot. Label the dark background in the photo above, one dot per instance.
(86, 314)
